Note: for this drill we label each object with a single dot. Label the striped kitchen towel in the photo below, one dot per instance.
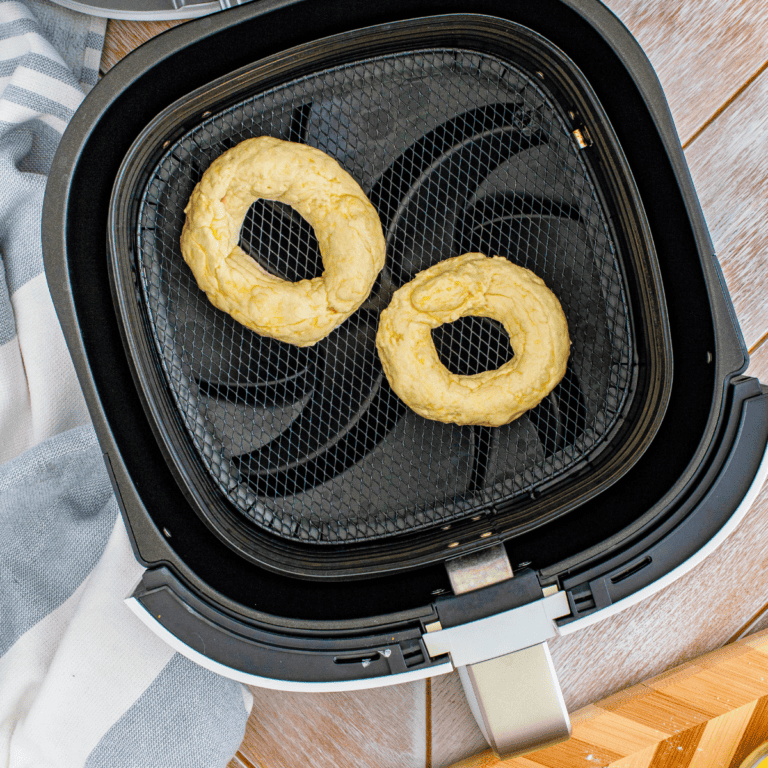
(82, 681)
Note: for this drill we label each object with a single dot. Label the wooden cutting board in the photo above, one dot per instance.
(709, 713)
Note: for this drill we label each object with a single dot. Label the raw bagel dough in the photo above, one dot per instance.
(474, 284)
(347, 227)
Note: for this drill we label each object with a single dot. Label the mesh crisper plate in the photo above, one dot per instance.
(458, 151)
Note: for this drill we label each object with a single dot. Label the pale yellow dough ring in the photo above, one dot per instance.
(474, 284)
(347, 227)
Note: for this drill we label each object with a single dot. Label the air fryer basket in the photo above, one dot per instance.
(468, 133)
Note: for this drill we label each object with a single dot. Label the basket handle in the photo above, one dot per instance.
(517, 701)
(515, 697)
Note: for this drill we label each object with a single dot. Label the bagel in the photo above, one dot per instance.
(474, 284)
(347, 227)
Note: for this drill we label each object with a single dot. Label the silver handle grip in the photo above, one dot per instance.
(517, 701)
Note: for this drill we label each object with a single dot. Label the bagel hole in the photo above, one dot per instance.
(472, 345)
(281, 241)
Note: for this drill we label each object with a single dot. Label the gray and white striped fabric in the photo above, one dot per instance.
(82, 681)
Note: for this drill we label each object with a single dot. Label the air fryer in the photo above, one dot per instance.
(300, 526)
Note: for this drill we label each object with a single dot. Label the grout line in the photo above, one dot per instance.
(745, 629)
(102, 70)
(758, 343)
(243, 760)
(428, 723)
(725, 105)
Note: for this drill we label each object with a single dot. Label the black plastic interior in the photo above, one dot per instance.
(690, 315)
(293, 461)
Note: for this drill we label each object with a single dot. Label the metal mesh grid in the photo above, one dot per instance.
(458, 151)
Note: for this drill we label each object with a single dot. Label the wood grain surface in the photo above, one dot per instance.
(455, 734)
(758, 359)
(703, 51)
(123, 36)
(355, 729)
(711, 58)
(711, 713)
(729, 165)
